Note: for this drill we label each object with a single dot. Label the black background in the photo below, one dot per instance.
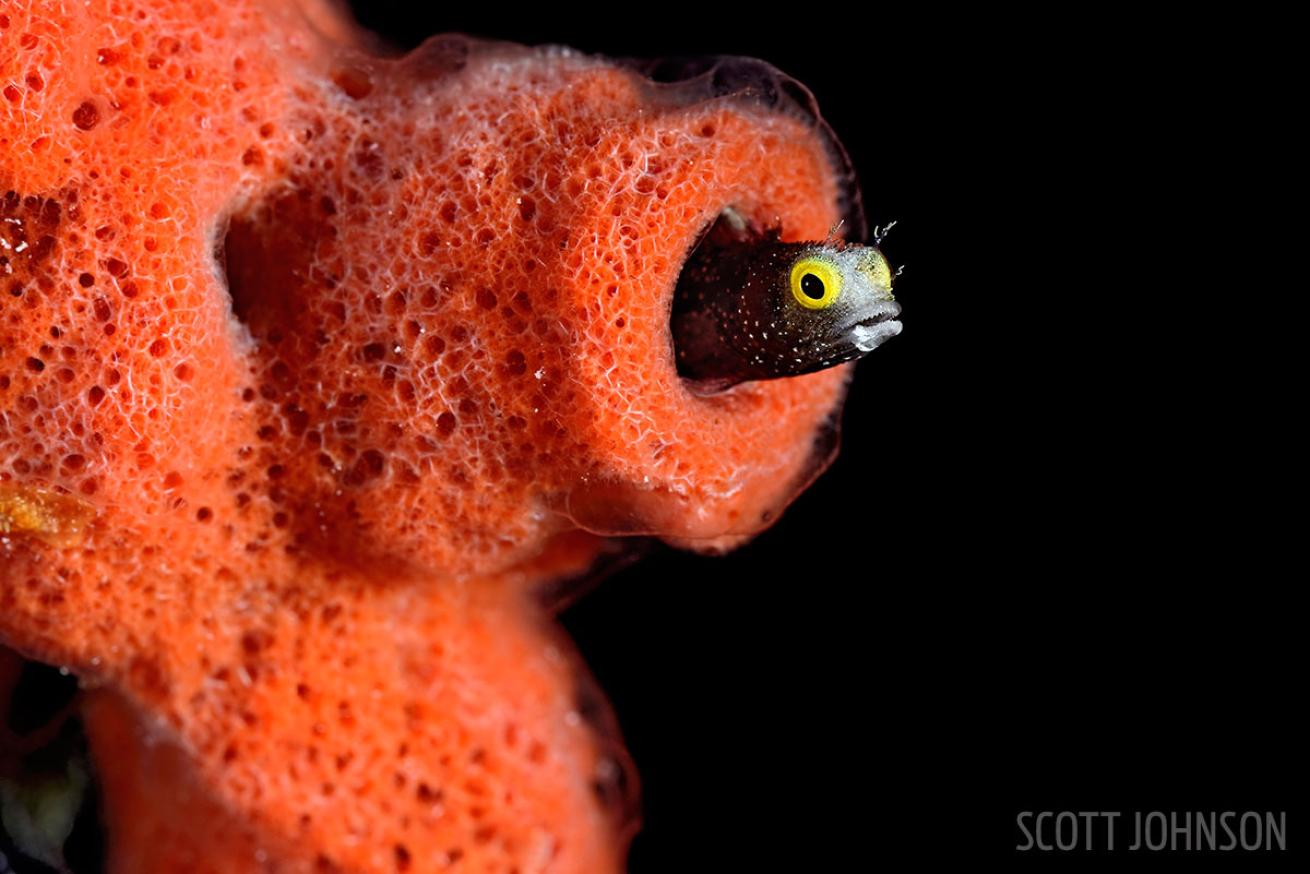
(1044, 573)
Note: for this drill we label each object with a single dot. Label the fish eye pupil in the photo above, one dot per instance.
(812, 286)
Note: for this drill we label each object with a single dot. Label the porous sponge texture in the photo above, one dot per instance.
(446, 728)
(496, 348)
(341, 356)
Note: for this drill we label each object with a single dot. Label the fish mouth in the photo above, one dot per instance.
(869, 333)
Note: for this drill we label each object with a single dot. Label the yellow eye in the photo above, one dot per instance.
(815, 283)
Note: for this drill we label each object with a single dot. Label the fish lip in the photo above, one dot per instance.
(872, 333)
(867, 334)
(889, 310)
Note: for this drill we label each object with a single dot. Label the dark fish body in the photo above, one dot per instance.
(748, 309)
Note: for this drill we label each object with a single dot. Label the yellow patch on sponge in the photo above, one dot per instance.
(46, 515)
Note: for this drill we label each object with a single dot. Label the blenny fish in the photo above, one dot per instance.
(749, 306)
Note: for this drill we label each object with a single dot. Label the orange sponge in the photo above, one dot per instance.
(314, 365)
